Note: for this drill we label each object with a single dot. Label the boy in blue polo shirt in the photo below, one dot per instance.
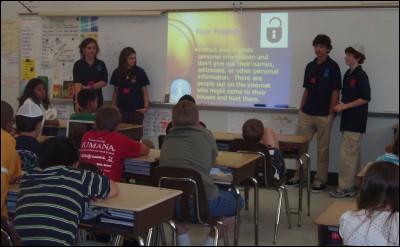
(356, 94)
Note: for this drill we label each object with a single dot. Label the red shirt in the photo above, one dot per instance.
(108, 150)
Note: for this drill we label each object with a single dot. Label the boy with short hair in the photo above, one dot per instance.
(253, 131)
(322, 83)
(189, 145)
(107, 148)
(54, 197)
(87, 100)
(28, 121)
(356, 94)
(10, 162)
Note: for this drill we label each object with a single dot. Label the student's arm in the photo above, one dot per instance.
(145, 93)
(114, 190)
(114, 101)
(98, 85)
(334, 100)
(304, 98)
(343, 106)
(144, 149)
(78, 87)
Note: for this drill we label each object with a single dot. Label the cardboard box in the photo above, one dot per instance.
(328, 222)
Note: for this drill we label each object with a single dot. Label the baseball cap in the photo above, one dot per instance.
(29, 109)
(359, 48)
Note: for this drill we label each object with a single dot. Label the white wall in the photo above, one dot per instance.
(379, 129)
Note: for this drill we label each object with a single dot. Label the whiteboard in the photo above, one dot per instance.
(376, 29)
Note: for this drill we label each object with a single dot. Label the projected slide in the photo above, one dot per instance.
(229, 58)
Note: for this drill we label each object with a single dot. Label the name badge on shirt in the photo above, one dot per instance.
(313, 80)
(126, 90)
(352, 82)
(90, 83)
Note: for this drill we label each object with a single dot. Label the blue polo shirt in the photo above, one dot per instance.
(320, 80)
(86, 74)
(130, 96)
(355, 86)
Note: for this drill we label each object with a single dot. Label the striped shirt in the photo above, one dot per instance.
(52, 201)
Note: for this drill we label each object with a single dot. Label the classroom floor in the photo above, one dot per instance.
(307, 234)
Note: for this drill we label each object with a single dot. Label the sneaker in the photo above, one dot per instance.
(293, 182)
(341, 193)
(319, 188)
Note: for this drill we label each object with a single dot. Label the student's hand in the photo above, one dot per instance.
(97, 199)
(389, 148)
(143, 110)
(339, 107)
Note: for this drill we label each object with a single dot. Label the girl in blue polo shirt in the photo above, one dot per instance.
(130, 88)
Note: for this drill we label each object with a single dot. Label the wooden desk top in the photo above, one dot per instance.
(151, 157)
(226, 159)
(127, 126)
(299, 139)
(137, 197)
(131, 197)
(330, 216)
(234, 160)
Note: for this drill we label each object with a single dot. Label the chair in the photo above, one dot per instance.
(160, 140)
(9, 236)
(191, 184)
(265, 175)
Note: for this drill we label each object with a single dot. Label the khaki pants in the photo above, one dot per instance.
(350, 159)
(309, 125)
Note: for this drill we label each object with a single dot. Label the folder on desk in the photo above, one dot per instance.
(221, 175)
(137, 167)
(117, 216)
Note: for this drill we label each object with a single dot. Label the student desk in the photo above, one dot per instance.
(328, 222)
(243, 167)
(292, 147)
(151, 206)
(133, 131)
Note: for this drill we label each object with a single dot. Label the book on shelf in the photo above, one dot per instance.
(56, 91)
(68, 90)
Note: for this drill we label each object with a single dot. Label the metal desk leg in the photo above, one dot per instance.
(256, 211)
(300, 209)
(236, 235)
(308, 181)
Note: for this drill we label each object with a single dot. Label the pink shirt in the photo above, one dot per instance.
(108, 150)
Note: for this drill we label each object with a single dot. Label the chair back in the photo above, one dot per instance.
(265, 173)
(160, 140)
(194, 195)
(9, 236)
(90, 167)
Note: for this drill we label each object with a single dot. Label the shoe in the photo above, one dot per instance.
(293, 182)
(319, 188)
(341, 193)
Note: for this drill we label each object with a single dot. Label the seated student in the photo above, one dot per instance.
(87, 100)
(107, 148)
(253, 131)
(184, 97)
(376, 222)
(54, 197)
(36, 92)
(10, 162)
(392, 153)
(191, 146)
(28, 120)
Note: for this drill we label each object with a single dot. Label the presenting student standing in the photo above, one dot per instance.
(356, 94)
(322, 83)
(89, 72)
(130, 82)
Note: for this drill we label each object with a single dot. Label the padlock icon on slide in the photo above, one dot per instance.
(274, 34)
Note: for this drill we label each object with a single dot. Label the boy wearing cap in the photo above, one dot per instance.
(322, 83)
(28, 120)
(356, 94)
